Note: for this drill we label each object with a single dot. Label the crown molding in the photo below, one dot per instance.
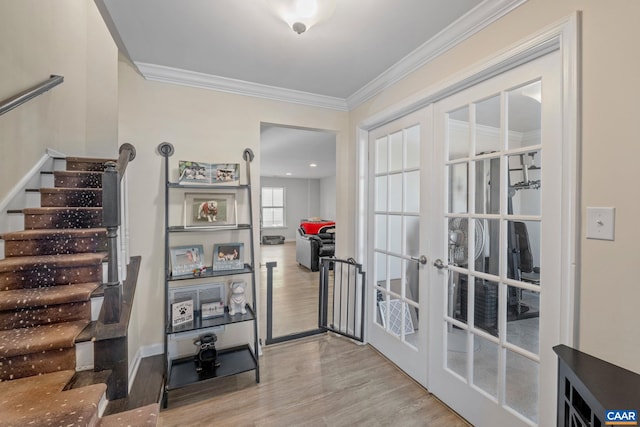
(466, 26)
(161, 73)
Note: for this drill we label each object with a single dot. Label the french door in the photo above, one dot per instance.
(398, 201)
(472, 184)
(496, 285)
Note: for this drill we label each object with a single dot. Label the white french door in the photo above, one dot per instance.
(397, 235)
(495, 295)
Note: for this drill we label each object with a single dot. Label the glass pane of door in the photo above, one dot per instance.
(492, 209)
(396, 224)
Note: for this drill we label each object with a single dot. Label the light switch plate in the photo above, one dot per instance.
(600, 223)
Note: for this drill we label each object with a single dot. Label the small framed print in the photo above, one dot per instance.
(225, 173)
(194, 172)
(206, 173)
(181, 312)
(228, 256)
(208, 210)
(186, 259)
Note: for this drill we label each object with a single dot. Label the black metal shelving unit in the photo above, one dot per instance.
(181, 372)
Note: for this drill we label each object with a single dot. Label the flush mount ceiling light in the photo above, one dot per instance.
(301, 15)
(313, 165)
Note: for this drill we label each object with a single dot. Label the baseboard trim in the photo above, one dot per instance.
(146, 351)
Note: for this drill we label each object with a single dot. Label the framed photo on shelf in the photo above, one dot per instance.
(186, 259)
(207, 210)
(194, 172)
(181, 312)
(228, 256)
(225, 173)
(211, 298)
(208, 173)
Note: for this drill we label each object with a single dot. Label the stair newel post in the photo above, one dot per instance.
(111, 220)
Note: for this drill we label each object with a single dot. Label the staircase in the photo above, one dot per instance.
(51, 271)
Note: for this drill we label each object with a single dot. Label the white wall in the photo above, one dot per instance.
(608, 293)
(328, 197)
(78, 117)
(201, 124)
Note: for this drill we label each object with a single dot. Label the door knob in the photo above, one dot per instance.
(439, 264)
(421, 259)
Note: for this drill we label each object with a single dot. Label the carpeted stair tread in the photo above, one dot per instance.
(16, 342)
(86, 163)
(46, 315)
(48, 295)
(77, 197)
(53, 261)
(62, 217)
(75, 407)
(54, 241)
(77, 179)
(138, 417)
(45, 384)
(69, 233)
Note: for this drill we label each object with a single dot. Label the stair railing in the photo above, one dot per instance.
(111, 219)
(24, 96)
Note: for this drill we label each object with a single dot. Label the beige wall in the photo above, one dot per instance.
(201, 124)
(79, 117)
(608, 290)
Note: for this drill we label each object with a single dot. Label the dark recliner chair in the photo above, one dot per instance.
(311, 247)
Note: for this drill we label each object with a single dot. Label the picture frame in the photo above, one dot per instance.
(212, 300)
(225, 173)
(228, 256)
(210, 210)
(200, 173)
(182, 312)
(186, 259)
(194, 172)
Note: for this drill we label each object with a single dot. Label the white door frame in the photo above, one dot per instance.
(563, 36)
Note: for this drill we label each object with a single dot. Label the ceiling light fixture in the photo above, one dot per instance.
(288, 173)
(301, 15)
(313, 165)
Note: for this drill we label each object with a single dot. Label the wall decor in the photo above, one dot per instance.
(186, 259)
(204, 210)
(190, 173)
(228, 256)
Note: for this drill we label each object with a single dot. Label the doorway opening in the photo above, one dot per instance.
(297, 187)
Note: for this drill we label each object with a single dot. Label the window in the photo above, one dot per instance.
(272, 207)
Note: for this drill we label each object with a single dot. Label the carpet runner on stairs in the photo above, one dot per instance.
(47, 278)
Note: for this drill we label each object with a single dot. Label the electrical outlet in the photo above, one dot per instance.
(600, 223)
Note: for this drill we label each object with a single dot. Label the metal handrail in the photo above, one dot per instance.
(24, 96)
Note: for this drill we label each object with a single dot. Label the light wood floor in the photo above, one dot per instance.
(295, 292)
(318, 381)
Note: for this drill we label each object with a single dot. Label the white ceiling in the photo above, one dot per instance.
(291, 150)
(240, 46)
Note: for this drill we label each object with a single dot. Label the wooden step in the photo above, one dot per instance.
(54, 241)
(75, 197)
(42, 349)
(62, 217)
(77, 179)
(46, 270)
(86, 163)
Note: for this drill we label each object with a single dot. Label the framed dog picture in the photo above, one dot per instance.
(207, 210)
(225, 173)
(186, 259)
(228, 256)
